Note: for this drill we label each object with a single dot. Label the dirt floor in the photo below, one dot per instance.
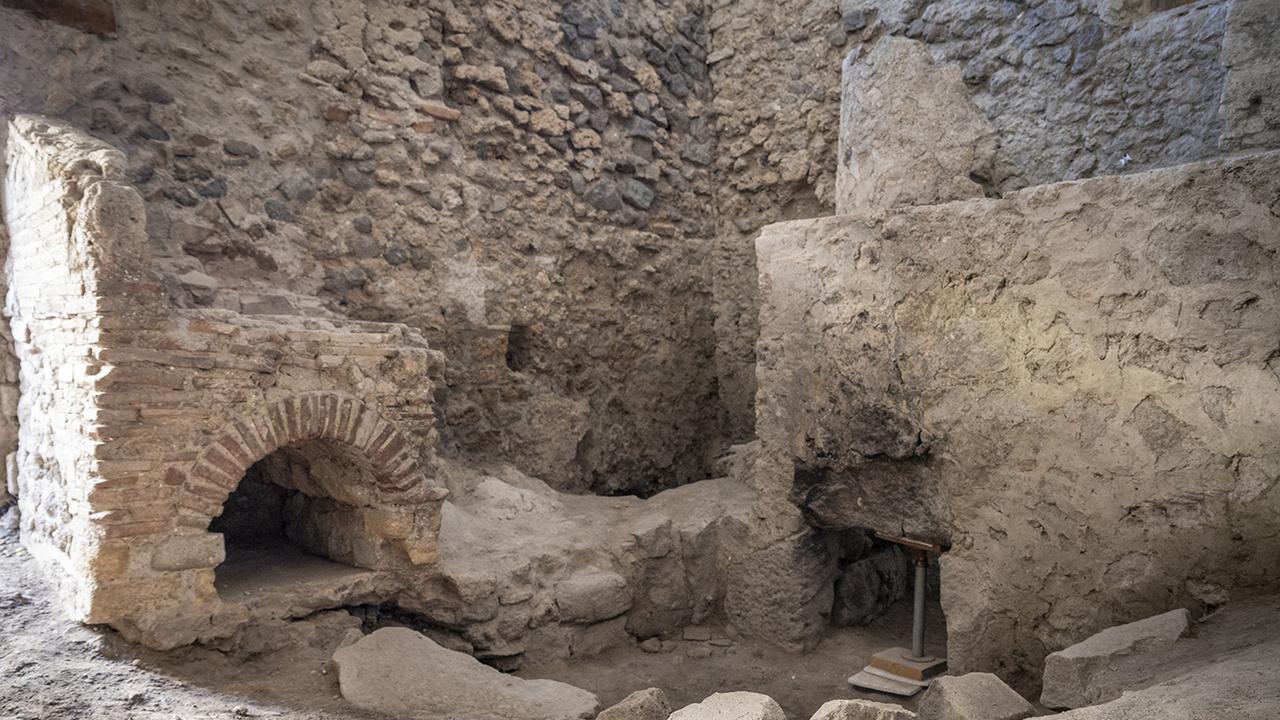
(54, 669)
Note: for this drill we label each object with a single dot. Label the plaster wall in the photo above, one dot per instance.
(1075, 387)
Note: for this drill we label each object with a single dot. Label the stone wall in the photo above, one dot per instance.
(1073, 89)
(775, 70)
(478, 171)
(1074, 387)
(1079, 88)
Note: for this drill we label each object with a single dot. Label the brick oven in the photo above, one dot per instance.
(180, 471)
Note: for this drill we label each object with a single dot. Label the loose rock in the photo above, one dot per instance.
(402, 672)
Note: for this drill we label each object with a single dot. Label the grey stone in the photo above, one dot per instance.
(277, 210)
(202, 287)
(975, 696)
(215, 188)
(854, 20)
(403, 673)
(182, 196)
(151, 131)
(648, 704)
(299, 186)
(355, 179)
(636, 193)
(861, 710)
(1084, 673)
(1242, 684)
(732, 706)
(240, 148)
(395, 255)
(603, 195)
(152, 92)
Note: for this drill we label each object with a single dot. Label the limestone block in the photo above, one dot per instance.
(909, 134)
(591, 596)
(732, 706)
(651, 704)
(862, 710)
(189, 552)
(781, 592)
(976, 696)
(403, 673)
(1241, 684)
(1083, 674)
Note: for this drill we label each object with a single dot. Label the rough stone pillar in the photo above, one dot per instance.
(909, 134)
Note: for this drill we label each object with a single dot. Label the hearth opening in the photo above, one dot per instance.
(293, 521)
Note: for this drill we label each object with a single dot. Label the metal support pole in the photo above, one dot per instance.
(917, 618)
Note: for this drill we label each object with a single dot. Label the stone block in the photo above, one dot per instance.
(862, 710)
(909, 133)
(732, 706)
(1085, 673)
(189, 552)
(651, 704)
(403, 673)
(591, 596)
(976, 696)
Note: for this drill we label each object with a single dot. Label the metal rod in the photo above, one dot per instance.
(917, 618)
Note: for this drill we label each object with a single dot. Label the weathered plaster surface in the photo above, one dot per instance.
(1076, 387)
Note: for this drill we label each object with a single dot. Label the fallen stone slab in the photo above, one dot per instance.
(406, 674)
(1086, 674)
(976, 696)
(1243, 685)
(732, 706)
(862, 710)
(651, 704)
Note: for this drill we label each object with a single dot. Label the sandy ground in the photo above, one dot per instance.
(54, 669)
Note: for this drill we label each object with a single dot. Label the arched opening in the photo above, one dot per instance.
(294, 528)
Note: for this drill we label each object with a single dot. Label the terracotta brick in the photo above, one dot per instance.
(249, 434)
(220, 459)
(358, 420)
(278, 426)
(266, 431)
(292, 424)
(384, 455)
(307, 416)
(215, 475)
(328, 415)
(236, 448)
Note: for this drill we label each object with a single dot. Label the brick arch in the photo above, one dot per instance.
(221, 464)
